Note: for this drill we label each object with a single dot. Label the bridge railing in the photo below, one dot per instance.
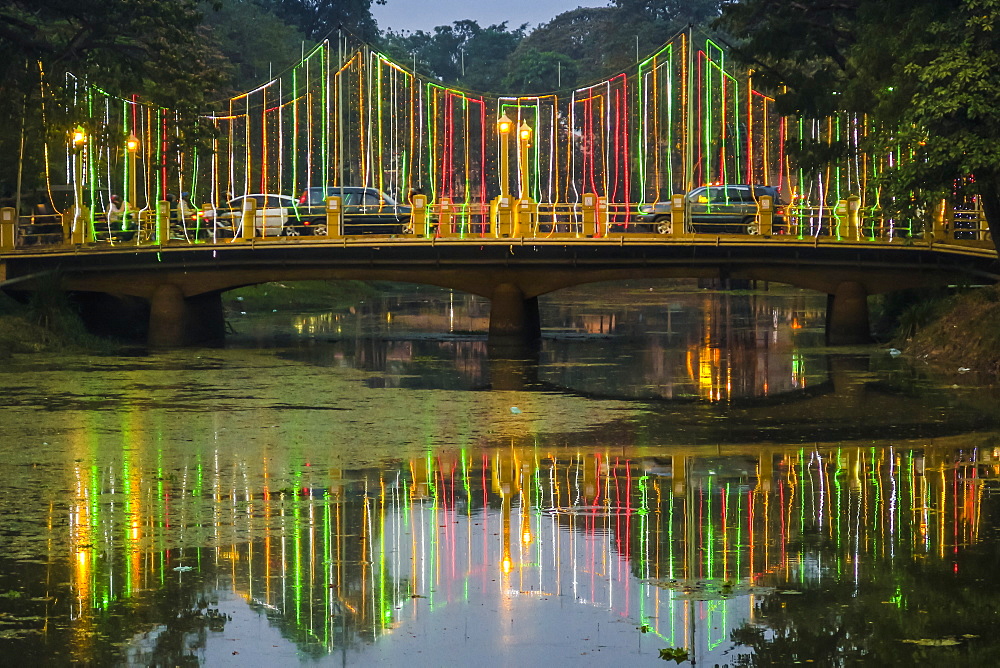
(41, 228)
(592, 217)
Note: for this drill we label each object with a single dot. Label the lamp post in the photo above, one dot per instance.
(79, 141)
(132, 146)
(504, 126)
(524, 140)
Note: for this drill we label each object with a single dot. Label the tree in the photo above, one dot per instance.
(462, 54)
(931, 83)
(320, 18)
(539, 71)
(153, 48)
(255, 43)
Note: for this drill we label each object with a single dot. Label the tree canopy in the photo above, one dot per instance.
(924, 71)
(463, 53)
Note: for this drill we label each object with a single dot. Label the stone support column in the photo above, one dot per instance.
(511, 315)
(176, 321)
(847, 315)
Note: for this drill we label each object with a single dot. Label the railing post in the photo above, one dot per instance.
(8, 223)
(524, 220)
(80, 226)
(248, 218)
(334, 217)
(418, 214)
(677, 210)
(765, 215)
(853, 217)
(588, 207)
(446, 220)
(67, 225)
(840, 213)
(504, 214)
(206, 214)
(162, 221)
(944, 221)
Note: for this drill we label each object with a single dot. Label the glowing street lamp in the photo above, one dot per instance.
(78, 137)
(132, 146)
(504, 127)
(524, 139)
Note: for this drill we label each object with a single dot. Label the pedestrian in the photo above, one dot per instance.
(117, 214)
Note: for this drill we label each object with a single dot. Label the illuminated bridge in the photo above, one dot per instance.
(509, 198)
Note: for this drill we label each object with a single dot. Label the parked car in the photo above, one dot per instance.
(365, 211)
(717, 209)
(276, 216)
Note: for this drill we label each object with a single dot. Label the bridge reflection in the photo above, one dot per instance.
(686, 545)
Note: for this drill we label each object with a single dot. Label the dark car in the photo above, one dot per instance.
(365, 211)
(724, 209)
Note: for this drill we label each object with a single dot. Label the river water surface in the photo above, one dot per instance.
(675, 474)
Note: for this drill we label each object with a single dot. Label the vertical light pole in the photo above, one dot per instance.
(79, 139)
(132, 146)
(504, 126)
(524, 140)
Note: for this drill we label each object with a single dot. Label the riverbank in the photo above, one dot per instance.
(44, 325)
(960, 333)
(49, 322)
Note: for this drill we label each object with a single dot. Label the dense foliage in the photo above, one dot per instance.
(925, 72)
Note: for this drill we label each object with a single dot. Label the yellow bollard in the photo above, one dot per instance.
(206, 217)
(602, 217)
(524, 219)
(503, 226)
(588, 207)
(334, 218)
(248, 218)
(67, 225)
(8, 224)
(943, 221)
(446, 220)
(418, 215)
(677, 214)
(162, 222)
(840, 214)
(765, 215)
(853, 217)
(80, 223)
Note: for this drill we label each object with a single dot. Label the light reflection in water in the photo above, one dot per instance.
(671, 344)
(684, 548)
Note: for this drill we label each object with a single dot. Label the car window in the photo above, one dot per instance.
(717, 195)
(739, 194)
(371, 199)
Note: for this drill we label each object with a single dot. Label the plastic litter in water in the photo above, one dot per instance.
(895, 352)
(515, 410)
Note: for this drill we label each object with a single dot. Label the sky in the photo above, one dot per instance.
(412, 15)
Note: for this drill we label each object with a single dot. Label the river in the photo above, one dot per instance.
(674, 473)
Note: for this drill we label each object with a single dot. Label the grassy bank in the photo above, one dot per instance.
(957, 332)
(301, 295)
(47, 324)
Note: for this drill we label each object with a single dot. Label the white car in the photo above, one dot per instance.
(276, 216)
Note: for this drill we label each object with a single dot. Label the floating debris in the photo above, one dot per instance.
(677, 654)
(895, 352)
(515, 410)
(709, 590)
(934, 642)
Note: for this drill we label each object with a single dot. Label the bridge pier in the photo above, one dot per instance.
(512, 315)
(847, 315)
(176, 320)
